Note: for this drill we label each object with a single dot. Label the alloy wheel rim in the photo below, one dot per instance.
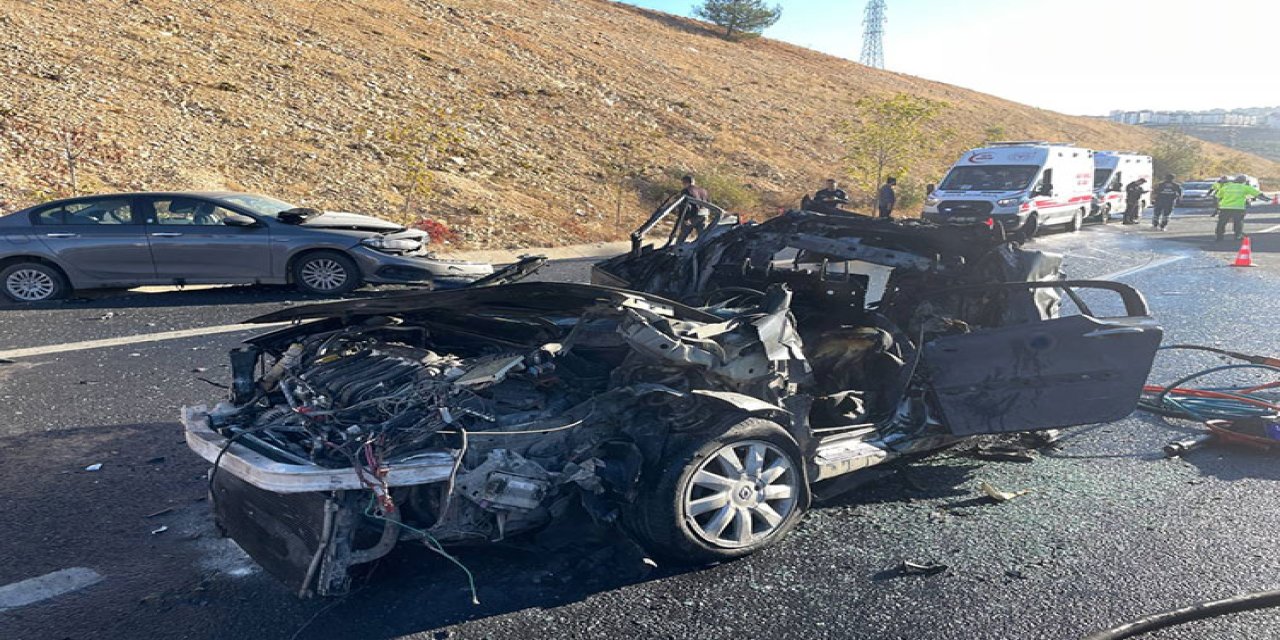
(324, 274)
(30, 285)
(741, 494)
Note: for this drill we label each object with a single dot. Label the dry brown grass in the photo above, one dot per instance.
(568, 99)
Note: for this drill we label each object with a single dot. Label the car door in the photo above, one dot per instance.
(190, 243)
(1046, 373)
(98, 241)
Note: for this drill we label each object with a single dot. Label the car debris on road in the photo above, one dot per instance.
(693, 409)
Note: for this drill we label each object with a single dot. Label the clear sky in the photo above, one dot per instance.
(1082, 57)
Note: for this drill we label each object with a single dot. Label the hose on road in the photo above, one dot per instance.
(1191, 613)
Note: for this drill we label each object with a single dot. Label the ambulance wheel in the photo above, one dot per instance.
(1106, 213)
(1077, 221)
(1031, 227)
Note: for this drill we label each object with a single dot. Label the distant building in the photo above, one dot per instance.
(1216, 117)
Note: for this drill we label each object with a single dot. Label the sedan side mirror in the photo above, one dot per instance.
(237, 220)
(929, 189)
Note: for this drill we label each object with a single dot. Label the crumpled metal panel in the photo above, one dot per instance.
(1058, 373)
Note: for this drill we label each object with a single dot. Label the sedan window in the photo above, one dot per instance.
(113, 211)
(187, 211)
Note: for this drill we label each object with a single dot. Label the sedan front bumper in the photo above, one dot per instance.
(377, 267)
(241, 460)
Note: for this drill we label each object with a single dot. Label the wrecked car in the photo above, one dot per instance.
(694, 409)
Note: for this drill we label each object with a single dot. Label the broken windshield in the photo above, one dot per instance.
(1010, 177)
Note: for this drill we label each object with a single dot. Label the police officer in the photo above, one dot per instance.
(1233, 199)
(1166, 195)
(1133, 200)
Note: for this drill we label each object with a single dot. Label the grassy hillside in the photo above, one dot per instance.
(1260, 141)
(545, 121)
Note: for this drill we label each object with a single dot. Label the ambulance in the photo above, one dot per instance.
(1112, 171)
(1026, 186)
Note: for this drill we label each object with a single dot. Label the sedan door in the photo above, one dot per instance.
(97, 241)
(191, 244)
(1045, 374)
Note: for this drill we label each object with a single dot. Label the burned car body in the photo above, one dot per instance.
(764, 359)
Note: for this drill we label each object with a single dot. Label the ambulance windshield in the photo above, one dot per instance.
(1006, 177)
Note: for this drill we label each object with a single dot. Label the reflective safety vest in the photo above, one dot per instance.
(1234, 195)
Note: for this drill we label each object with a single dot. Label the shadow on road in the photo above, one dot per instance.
(142, 521)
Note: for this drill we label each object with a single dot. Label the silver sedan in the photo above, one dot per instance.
(135, 239)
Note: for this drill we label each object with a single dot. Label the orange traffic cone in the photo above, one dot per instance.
(1245, 257)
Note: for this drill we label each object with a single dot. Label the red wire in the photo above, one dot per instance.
(1202, 393)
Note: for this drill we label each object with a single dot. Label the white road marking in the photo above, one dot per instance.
(1271, 229)
(1116, 275)
(50, 585)
(137, 339)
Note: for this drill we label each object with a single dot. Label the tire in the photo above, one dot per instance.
(1031, 228)
(1077, 221)
(33, 282)
(326, 273)
(1106, 213)
(695, 511)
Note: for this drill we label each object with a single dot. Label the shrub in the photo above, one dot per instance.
(439, 232)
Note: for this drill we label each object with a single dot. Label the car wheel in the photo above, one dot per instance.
(1031, 227)
(33, 282)
(1077, 221)
(723, 498)
(326, 272)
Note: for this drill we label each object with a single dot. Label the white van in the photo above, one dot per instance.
(1113, 170)
(1021, 185)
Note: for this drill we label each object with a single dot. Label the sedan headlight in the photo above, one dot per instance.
(392, 245)
(1009, 202)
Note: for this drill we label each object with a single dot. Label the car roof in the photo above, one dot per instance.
(136, 194)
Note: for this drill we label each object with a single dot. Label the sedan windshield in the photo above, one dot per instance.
(1010, 177)
(259, 204)
(1198, 186)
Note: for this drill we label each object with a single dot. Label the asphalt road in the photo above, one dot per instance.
(1110, 530)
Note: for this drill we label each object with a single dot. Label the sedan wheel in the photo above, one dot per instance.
(32, 282)
(741, 494)
(326, 273)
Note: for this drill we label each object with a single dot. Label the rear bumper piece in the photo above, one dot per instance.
(267, 474)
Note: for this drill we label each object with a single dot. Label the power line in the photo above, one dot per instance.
(873, 34)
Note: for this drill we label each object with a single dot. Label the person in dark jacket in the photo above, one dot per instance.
(832, 195)
(692, 189)
(694, 216)
(887, 198)
(1133, 200)
(1166, 194)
